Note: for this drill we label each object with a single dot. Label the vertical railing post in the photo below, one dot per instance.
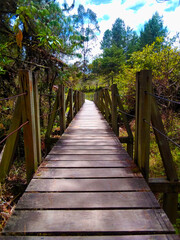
(62, 109)
(28, 114)
(71, 112)
(76, 101)
(114, 110)
(37, 119)
(143, 115)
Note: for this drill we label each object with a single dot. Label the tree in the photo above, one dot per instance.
(122, 37)
(107, 40)
(119, 33)
(86, 23)
(110, 63)
(152, 29)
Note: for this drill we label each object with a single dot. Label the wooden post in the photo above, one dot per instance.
(76, 101)
(170, 200)
(28, 114)
(51, 123)
(37, 120)
(71, 112)
(62, 109)
(114, 110)
(105, 105)
(67, 101)
(170, 206)
(11, 142)
(143, 114)
(125, 120)
(163, 143)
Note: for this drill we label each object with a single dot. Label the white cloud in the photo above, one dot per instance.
(132, 18)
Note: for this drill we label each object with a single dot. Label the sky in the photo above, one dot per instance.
(134, 13)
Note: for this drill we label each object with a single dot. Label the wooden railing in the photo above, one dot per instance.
(26, 115)
(147, 115)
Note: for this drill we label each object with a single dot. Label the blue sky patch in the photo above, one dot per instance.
(104, 18)
(172, 6)
(123, 1)
(137, 6)
(99, 2)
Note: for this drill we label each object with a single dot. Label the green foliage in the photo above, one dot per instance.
(152, 29)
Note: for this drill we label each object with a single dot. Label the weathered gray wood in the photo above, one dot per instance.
(56, 150)
(86, 143)
(85, 221)
(110, 237)
(87, 147)
(87, 173)
(87, 185)
(88, 157)
(82, 164)
(108, 200)
(89, 194)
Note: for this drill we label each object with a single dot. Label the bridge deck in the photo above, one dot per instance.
(88, 188)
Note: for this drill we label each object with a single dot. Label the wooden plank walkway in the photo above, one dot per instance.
(88, 188)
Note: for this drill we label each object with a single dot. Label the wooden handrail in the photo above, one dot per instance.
(27, 108)
(146, 112)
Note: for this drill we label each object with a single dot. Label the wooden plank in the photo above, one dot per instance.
(108, 200)
(79, 164)
(85, 221)
(87, 173)
(128, 237)
(86, 143)
(56, 150)
(87, 147)
(87, 185)
(122, 157)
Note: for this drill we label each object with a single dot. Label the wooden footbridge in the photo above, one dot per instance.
(88, 187)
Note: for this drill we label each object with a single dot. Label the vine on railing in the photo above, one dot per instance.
(27, 111)
(147, 115)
